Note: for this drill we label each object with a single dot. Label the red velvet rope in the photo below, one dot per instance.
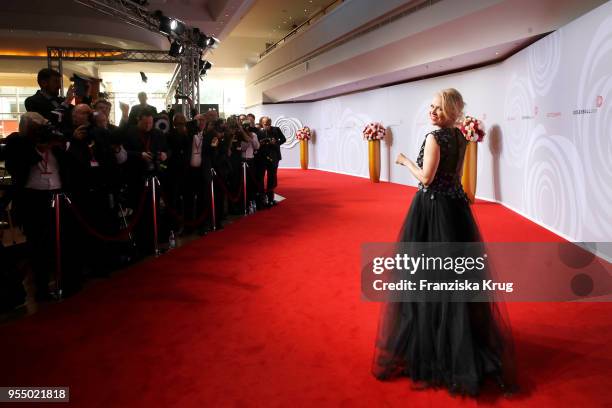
(233, 198)
(123, 234)
(193, 223)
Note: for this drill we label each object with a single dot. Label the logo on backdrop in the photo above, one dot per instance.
(289, 127)
(599, 101)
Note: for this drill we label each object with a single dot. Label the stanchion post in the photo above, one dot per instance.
(244, 186)
(154, 183)
(212, 198)
(58, 246)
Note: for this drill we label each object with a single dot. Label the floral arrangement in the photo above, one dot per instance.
(374, 131)
(303, 133)
(472, 129)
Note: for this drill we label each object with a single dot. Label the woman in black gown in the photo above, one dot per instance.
(443, 343)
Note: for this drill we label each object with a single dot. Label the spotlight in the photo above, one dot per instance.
(169, 25)
(213, 42)
(165, 24)
(177, 26)
(176, 49)
(201, 40)
(205, 65)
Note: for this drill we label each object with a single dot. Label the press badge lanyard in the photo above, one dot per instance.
(198, 146)
(44, 164)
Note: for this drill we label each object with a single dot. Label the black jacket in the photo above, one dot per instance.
(267, 150)
(135, 143)
(137, 109)
(216, 157)
(50, 108)
(104, 171)
(179, 152)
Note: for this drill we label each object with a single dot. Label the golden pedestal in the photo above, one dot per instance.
(470, 165)
(374, 160)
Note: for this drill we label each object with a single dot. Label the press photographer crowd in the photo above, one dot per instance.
(113, 194)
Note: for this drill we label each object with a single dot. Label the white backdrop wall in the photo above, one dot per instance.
(548, 111)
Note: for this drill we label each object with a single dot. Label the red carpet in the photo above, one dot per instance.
(268, 313)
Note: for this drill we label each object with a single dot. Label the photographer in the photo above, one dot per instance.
(36, 159)
(237, 136)
(267, 159)
(47, 101)
(216, 152)
(92, 185)
(250, 144)
(197, 188)
(103, 106)
(146, 150)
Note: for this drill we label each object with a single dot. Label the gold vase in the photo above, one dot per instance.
(304, 154)
(470, 165)
(374, 159)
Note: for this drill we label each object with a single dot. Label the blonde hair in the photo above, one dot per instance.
(452, 104)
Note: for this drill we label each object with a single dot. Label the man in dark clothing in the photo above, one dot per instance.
(91, 186)
(176, 178)
(47, 101)
(216, 151)
(138, 109)
(267, 158)
(36, 160)
(146, 149)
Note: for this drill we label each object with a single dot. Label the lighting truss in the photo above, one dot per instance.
(185, 82)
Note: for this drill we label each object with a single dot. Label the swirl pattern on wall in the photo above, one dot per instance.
(543, 62)
(553, 192)
(593, 130)
(289, 127)
(352, 153)
(518, 109)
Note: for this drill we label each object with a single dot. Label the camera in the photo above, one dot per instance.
(161, 123)
(47, 133)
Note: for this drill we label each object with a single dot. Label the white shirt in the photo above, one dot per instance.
(248, 148)
(196, 150)
(44, 175)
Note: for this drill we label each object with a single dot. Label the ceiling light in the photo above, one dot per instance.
(176, 49)
(169, 25)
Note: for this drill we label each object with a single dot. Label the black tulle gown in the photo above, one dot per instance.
(457, 345)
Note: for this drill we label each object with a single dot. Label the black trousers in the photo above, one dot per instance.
(175, 187)
(93, 253)
(252, 187)
(220, 198)
(197, 194)
(264, 166)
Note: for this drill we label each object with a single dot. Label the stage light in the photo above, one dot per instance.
(205, 65)
(177, 26)
(169, 25)
(213, 42)
(176, 49)
(165, 24)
